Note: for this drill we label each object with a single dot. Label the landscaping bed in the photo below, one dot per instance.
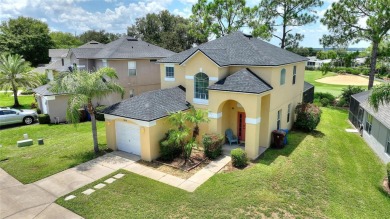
(197, 157)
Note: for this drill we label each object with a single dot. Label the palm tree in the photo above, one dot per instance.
(178, 119)
(380, 95)
(15, 73)
(83, 87)
(196, 116)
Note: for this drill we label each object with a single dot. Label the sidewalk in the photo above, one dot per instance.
(36, 200)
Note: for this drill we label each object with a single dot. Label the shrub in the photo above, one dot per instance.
(239, 158)
(33, 105)
(322, 95)
(341, 103)
(388, 173)
(99, 116)
(44, 119)
(324, 102)
(39, 111)
(168, 149)
(349, 91)
(27, 92)
(212, 144)
(308, 116)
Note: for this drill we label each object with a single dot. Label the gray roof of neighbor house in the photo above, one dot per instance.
(44, 90)
(244, 81)
(307, 86)
(383, 113)
(151, 105)
(58, 53)
(92, 45)
(131, 48)
(85, 53)
(57, 65)
(239, 49)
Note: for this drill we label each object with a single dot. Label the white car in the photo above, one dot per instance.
(14, 116)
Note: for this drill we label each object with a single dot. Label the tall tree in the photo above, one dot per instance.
(28, 37)
(287, 14)
(63, 40)
(352, 21)
(15, 73)
(380, 95)
(163, 29)
(100, 36)
(218, 17)
(84, 87)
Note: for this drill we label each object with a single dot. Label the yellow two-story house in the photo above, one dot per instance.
(245, 84)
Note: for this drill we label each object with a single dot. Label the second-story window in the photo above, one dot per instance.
(294, 74)
(169, 72)
(282, 76)
(201, 85)
(132, 67)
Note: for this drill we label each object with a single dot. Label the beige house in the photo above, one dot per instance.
(134, 61)
(245, 84)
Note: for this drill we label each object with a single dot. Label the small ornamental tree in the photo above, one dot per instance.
(308, 116)
(349, 91)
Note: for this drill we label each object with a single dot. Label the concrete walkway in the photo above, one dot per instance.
(36, 200)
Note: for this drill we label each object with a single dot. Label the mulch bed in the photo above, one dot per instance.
(197, 157)
(386, 186)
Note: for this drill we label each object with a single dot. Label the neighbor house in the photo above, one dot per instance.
(374, 124)
(134, 61)
(244, 83)
(313, 62)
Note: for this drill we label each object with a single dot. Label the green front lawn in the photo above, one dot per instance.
(327, 174)
(65, 146)
(6, 100)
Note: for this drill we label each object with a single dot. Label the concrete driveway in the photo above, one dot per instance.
(36, 200)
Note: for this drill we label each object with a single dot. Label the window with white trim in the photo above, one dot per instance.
(201, 82)
(368, 124)
(169, 72)
(132, 67)
(288, 113)
(131, 93)
(294, 74)
(278, 122)
(104, 61)
(388, 143)
(282, 76)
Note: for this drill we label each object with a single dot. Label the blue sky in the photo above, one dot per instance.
(77, 16)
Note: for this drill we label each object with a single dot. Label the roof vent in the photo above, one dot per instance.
(131, 39)
(248, 35)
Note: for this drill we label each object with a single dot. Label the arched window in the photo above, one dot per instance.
(201, 84)
(282, 76)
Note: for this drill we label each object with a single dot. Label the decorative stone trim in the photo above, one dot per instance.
(215, 115)
(169, 79)
(253, 121)
(190, 77)
(213, 79)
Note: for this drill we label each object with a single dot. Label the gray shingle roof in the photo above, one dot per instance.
(307, 86)
(92, 44)
(85, 53)
(151, 105)
(44, 90)
(239, 49)
(244, 81)
(58, 53)
(383, 113)
(130, 48)
(57, 66)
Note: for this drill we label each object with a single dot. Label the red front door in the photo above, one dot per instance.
(241, 126)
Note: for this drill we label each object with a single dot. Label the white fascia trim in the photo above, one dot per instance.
(213, 78)
(189, 77)
(169, 79)
(50, 97)
(215, 115)
(200, 101)
(253, 121)
(138, 122)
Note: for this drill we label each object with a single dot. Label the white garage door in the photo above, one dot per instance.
(128, 137)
